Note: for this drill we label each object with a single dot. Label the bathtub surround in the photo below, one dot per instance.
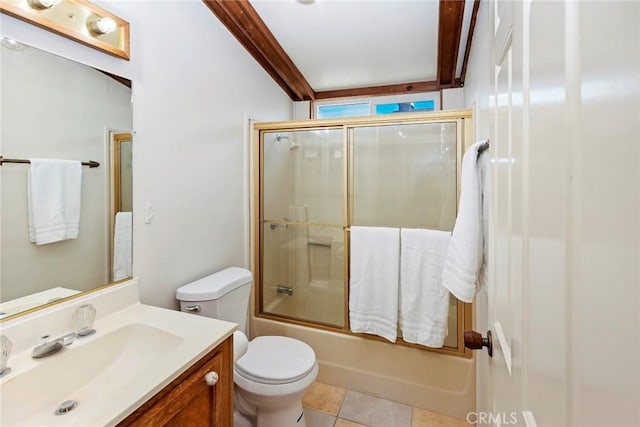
(407, 375)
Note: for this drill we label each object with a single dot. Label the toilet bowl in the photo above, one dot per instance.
(271, 379)
(271, 373)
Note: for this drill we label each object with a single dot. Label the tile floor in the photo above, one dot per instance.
(329, 406)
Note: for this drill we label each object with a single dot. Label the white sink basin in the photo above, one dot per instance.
(132, 356)
(108, 363)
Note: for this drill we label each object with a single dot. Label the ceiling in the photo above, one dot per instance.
(322, 49)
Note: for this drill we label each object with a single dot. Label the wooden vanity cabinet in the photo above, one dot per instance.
(189, 400)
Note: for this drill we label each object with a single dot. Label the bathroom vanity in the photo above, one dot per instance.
(202, 396)
(143, 366)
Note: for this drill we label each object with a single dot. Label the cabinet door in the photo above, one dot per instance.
(190, 401)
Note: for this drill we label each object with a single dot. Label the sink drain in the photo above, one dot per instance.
(66, 406)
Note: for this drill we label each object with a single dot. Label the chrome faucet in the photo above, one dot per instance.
(47, 348)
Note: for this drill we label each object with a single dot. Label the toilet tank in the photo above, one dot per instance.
(223, 295)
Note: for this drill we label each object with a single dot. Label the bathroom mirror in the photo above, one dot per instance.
(52, 107)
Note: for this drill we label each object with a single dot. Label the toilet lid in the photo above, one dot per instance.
(276, 360)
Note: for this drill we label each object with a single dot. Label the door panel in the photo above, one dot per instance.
(506, 274)
(548, 192)
(563, 294)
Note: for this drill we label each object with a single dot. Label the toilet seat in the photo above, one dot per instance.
(276, 360)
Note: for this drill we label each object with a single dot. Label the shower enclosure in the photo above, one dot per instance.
(315, 179)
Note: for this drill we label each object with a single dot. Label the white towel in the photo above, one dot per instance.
(122, 246)
(466, 254)
(373, 286)
(54, 190)
(424, 302)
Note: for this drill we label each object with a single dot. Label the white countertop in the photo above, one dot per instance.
(134, 354)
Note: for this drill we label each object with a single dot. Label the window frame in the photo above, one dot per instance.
(375, 100)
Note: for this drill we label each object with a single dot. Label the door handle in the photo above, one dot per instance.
(475, 341)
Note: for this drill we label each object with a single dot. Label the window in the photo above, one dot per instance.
(405, 107)
(377, 106)
(343, 110)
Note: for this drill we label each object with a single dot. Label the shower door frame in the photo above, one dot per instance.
(463, 120)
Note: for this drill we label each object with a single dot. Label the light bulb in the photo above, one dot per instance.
(103, 26)
(43, 4)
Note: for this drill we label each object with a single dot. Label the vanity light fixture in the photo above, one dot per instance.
(103, 26)
(43, 4)
(78, 20)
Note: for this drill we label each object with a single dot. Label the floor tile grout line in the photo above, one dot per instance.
(371, 396)
(341, 403)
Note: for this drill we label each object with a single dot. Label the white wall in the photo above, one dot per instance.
(453, 99)
(192, 84)
(56, 108)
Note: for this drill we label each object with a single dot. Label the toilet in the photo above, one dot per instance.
(271, 373)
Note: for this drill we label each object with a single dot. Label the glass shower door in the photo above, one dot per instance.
(404, 175)
(316, 182)
(302, 229)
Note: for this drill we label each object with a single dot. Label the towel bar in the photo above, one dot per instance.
(90, 163)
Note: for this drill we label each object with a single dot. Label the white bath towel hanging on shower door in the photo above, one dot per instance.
(373, 285)
(424, 302)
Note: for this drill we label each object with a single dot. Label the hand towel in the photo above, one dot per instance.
(54, 191)
(122, 246)
(465, 255)
(424, 302)
(373, 286)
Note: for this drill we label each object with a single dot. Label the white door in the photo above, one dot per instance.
(505, 286)
(563, 298)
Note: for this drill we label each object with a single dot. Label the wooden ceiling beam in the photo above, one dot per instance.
(396, 89)
(467, 50)
(242, 20)
(122, 80)
(449, 31)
